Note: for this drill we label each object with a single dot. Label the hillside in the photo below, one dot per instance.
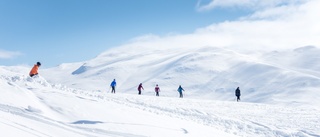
(34, 107)
(205, 72)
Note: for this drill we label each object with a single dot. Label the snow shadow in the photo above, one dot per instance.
(87, 122)
(80, 70)
(33, 109)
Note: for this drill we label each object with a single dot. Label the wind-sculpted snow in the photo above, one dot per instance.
(244, 119)
(304, 60)
(34, 107)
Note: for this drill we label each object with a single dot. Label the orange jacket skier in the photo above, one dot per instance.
(34, 70)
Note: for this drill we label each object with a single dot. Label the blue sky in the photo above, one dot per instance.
(66, 31)
(62, 31)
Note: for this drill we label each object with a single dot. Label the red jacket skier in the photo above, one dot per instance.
(139, 88)
(157, 90)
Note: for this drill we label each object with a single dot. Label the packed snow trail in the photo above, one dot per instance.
(244, 119)
(42, 106)
(52, 110)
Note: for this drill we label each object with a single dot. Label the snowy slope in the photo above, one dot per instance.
(206, 72)
(34, 107)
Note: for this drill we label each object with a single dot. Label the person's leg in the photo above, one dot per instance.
(113, 90)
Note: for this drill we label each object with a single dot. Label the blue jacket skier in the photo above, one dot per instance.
(113, 86)
(180, 89)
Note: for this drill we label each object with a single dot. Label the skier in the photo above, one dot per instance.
(139, 88)
(34, 70)
(157, 90)
(238, 94)
(113, 86)
(180, 89)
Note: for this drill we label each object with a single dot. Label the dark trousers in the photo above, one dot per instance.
(238, 98)
(139, 91)
(113, 90)
(157, 93)
(31, 75)
(181, 95)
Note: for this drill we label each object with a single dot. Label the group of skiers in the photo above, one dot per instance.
(140, 88)
(34, 72)
(157, 90)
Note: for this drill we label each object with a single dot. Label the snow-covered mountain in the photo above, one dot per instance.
(205, 72)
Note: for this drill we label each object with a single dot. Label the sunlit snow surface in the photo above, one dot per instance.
(279, 95)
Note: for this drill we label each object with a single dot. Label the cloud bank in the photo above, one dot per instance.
(279, 25)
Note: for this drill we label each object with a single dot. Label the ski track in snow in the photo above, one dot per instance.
(238, 118)
(230, 119)
(226, 120)
(31, 113)
(37, 118)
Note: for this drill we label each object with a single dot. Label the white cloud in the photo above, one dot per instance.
(281, 27)
(248, 4)
(8, 54)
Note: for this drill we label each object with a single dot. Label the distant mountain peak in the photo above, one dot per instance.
(80, 70)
